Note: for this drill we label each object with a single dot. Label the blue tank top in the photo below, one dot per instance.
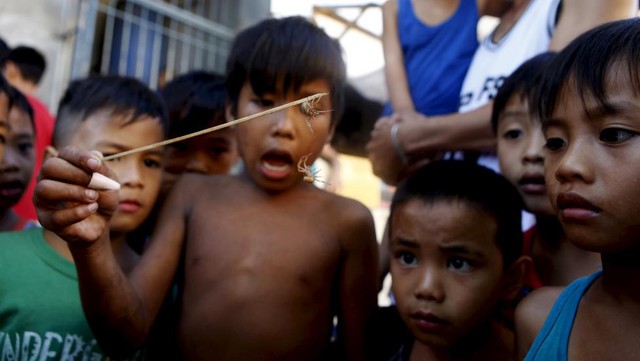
(436, 58)
(552, 343)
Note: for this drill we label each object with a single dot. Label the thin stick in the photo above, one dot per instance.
(217, 127)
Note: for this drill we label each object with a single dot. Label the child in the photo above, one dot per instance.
(589, 105)
(196, 101)
(6, 101)
(526, 28)
(268, 260)
(17, 163)
(40, 311)
(24, 68)
(520, 143)
(455, 256)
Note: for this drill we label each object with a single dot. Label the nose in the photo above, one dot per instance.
(430, 286)
(534, 152)
(130, 173)
(575, 163)
(284, 124)
(10, 161)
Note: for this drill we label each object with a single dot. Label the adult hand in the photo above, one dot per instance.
(64, 203)
(382, 153)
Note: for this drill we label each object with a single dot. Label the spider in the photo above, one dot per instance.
(308, 108)
(309, 175)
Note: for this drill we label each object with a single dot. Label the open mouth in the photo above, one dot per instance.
(12, 189)
(276, 164)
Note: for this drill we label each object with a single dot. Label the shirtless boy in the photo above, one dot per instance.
(268, 259)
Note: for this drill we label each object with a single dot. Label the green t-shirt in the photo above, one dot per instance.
(41, 316)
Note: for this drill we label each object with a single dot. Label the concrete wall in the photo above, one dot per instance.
(49, 26)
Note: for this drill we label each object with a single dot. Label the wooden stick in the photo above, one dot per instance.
(217, 127)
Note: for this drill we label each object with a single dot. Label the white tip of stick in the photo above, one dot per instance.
(103, 183)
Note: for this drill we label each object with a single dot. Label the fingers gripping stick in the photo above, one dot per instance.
(101, 182)
(98, 181)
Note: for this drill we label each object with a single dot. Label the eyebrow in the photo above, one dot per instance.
(600, 110)
(404, 242)
(463, 249)
(119, 147)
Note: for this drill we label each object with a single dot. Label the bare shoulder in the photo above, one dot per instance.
(352, 220)
(348, 209)
(531, 314)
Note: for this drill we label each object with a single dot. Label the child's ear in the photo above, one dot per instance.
(514, 278)
(10, 71)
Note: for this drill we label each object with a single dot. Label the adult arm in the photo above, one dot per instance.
(120, 310)
(395, 73)
(358, 280)
(578, 16)
(530, 316)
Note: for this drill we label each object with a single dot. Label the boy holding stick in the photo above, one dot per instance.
(267, 260)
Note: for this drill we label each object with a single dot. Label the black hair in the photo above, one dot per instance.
(452, 180)
(289, 51)
(21, 102)
(4, 49)
(522, 82)
(29, 61)
(121, 96)
(194, 101)
(588, 61)
(7, 89)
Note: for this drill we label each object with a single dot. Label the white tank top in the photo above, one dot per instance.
(494, 62)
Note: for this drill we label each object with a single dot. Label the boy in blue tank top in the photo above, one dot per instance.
(589, 103)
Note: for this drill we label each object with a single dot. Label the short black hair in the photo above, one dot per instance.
(289, 51)
(194, 101)
(7, 89)
(29, 61)
(522, 82)
(588, 62)
(4, 49)
(21, 102)
(452, 180)
(119, 95)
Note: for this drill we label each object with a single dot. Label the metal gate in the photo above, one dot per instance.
(152, 40)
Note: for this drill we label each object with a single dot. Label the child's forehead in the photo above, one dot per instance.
(618, 95)
(450, 216)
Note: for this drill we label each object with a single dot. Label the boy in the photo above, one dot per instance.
(526, 28)
(6, 101)
(24, 67)
(40, 310)
(455, 264)
(16, 166)
(589, 105)
(268, 260)
(196, 101)
(520, 146)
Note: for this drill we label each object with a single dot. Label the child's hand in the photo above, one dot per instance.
(64, 203)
